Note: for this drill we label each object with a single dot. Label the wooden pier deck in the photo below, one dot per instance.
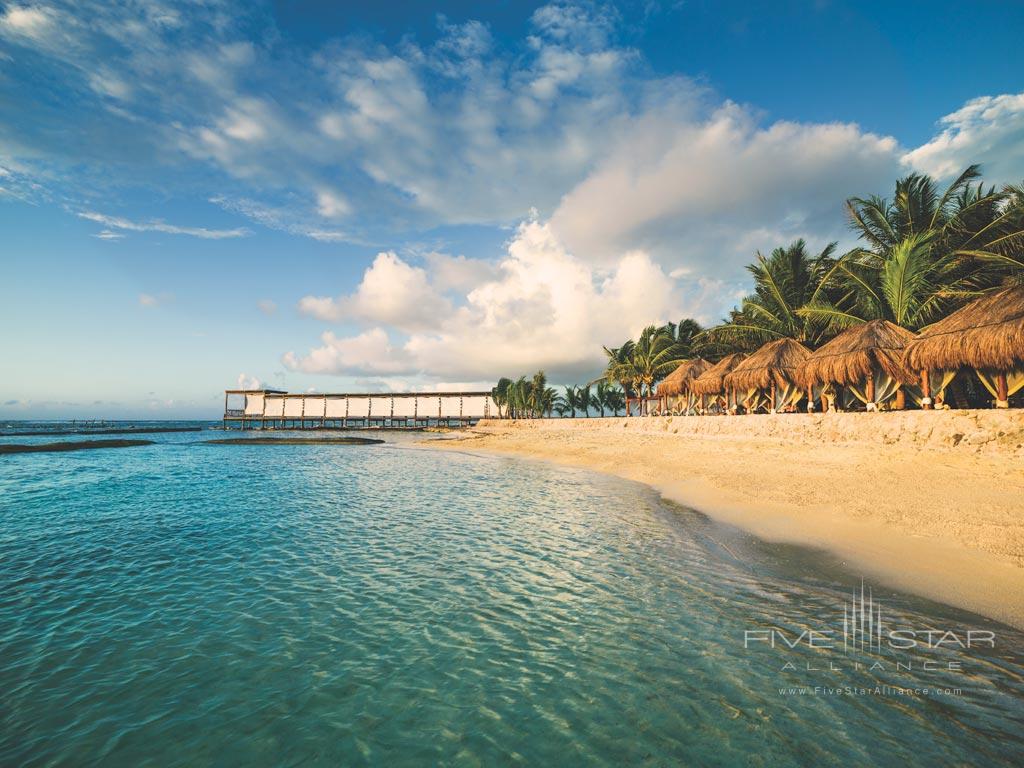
(276, 409)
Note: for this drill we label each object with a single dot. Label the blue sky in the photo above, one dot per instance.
(405, 195)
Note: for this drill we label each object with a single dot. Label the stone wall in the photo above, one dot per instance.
(973, 431)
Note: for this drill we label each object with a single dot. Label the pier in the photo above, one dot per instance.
(276, 409)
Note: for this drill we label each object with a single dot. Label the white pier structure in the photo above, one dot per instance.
(275, 409)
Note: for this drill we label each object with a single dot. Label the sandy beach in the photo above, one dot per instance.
(927, 502)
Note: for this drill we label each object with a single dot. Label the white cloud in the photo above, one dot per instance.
(635, 176)
(30, 22)
(148, 300)
(245, 381)
(370, 351)
(285, 219)
(118, 223)
(458, 273)
(109, 84)
(108, 234)
(391, 292)
(987, 130)
(330, 204)
(694, 192)
(586, 27)
(542, 308)
(267, 306)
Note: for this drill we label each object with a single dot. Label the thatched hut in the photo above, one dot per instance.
(674, 389)
(986, 335)
(712, 381)
(769, 376)
(867, 360)
(678, 382)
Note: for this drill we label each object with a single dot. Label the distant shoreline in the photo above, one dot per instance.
(101, 431)
(78, 445)
(924, 501)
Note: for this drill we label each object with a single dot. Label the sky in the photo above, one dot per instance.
(411, 196)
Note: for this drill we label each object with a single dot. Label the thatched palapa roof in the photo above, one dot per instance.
(987, 334)
(852, 355)
(776, 361)
(711, 381)
(677, 382)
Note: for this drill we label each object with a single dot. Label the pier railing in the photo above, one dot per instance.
(271, 409)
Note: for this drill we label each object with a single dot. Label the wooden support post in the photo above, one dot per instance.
(926, 391)
(869, 390)
(1002, 391)
(771, 397)
(901, 399)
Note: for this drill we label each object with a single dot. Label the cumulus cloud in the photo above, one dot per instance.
(458, 273)
(368, 352)
(989, 130)
(119, 223)
(245, 381)
(652, 191)
(391, 292)
(541, 308)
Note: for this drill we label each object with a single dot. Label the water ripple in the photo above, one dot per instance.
(202, 605)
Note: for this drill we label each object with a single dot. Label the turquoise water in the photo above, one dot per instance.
(189, 604)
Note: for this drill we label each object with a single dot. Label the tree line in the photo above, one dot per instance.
(922, 254)
(532, 398)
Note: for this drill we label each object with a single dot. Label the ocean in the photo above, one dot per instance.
(189, 604)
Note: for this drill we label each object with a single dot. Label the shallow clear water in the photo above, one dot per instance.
(189, 604)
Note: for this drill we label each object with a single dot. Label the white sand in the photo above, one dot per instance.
(927, 502)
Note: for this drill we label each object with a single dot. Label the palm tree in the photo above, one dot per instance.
(584, 399)
(615, 400)
(500, 394)
(616, 370)
(687, 334)
(1005, 251)
(926, 253)
(548, 400)
(649, 359)
(784, 283)
(601, 391)
(537, 387)
(569, 400)
(518, 398)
